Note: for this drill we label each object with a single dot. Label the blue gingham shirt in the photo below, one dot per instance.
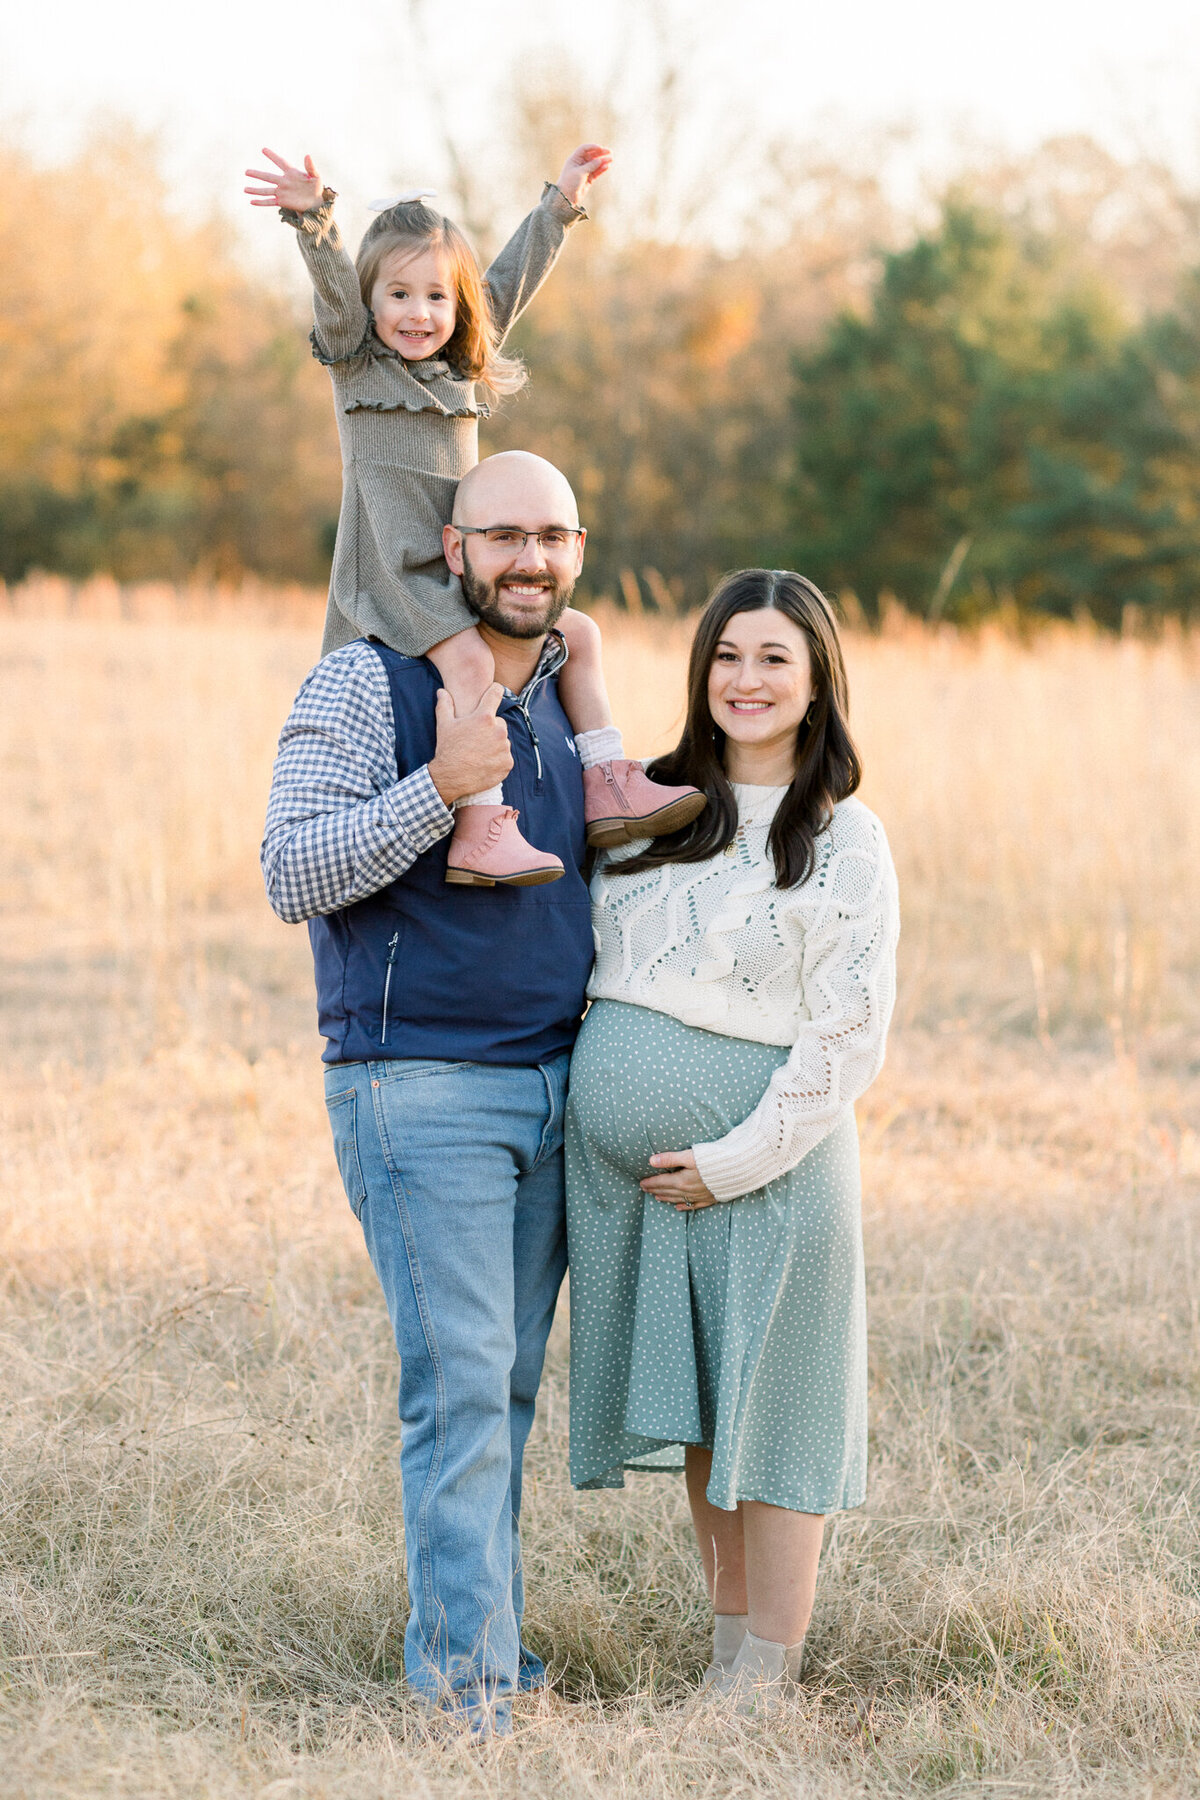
(340, 826)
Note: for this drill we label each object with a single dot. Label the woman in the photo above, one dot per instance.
(744, 978)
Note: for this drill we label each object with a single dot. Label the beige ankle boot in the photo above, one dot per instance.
(728, 1631)
(761, 1675)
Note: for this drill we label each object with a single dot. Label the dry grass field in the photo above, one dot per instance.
(199, 1549)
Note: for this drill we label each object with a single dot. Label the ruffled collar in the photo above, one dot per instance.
(428, 369)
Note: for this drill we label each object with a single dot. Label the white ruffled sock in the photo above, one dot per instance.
(599, 746)
(493, 796)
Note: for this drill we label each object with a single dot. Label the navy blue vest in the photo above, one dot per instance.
(489, 975)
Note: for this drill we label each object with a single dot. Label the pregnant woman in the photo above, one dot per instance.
(744, 978)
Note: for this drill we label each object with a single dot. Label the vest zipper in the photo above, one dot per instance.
(387, 984)
(522, 706)
(537, 748)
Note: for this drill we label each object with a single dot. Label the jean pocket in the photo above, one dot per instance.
(413, 1069)
(342, 1110)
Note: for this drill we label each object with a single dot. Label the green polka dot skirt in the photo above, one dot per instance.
(741, 1327)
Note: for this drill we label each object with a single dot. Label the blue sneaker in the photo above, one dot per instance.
(531, 1672)
(468, 1711)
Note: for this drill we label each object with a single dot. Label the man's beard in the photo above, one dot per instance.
(485, 601)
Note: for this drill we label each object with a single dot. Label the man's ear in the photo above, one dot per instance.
(578, 553)
(452, 545)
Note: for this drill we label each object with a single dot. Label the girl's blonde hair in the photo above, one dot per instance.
(473, 349)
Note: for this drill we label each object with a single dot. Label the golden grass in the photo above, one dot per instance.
(202, 1579)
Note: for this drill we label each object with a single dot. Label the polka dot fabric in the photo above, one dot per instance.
(741, 1327)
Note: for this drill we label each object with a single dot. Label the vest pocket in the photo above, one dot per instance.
(342, 1110)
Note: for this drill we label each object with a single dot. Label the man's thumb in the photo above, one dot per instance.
(492, 696)
(444, 712)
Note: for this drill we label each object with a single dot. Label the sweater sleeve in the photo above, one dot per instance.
(341, 321)
(848, 970)
(528, 257)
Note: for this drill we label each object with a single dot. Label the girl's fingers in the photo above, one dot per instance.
(279, 161)
(258, 190)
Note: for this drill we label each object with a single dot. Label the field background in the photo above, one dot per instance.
(202, 1576)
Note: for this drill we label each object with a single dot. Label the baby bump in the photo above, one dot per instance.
(642, 1082)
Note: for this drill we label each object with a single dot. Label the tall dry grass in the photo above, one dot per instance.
(201, 1563)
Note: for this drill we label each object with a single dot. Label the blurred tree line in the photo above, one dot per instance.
(1000, 407)
(161, 413)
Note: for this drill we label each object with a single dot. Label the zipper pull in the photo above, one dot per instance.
(387, 984)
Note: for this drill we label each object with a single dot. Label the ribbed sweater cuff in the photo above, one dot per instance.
(556, 202)
(317, 222)
(736, 1165)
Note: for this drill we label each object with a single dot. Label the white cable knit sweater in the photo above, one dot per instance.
(717, 944)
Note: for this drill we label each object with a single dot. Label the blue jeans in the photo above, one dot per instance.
(455, 1171)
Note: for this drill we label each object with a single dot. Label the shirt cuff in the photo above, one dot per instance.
(419, 810)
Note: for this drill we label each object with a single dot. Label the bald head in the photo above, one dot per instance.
(515, 487)
(517, 581)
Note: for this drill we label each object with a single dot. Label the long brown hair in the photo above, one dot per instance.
(473, 348)
(827, 763)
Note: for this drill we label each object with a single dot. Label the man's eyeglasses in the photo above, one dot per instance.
(555, 538)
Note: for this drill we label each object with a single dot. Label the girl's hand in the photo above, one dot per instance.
(581, 168)
(680, 1186)
(299, 190)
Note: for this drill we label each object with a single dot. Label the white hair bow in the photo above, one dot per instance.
(402, 199)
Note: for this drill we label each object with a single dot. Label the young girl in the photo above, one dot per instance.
(406, 332)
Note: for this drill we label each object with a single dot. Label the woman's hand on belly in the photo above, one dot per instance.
(679, 1183)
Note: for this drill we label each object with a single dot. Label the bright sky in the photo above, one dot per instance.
(225, 77)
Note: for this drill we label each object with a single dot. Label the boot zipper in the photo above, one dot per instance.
(387, 983)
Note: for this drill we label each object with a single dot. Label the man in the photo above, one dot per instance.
(449, 1014)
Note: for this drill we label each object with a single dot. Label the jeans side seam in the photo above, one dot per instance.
(439, 1383)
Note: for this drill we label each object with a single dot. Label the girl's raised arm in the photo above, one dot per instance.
(532, 250)
(341, 320)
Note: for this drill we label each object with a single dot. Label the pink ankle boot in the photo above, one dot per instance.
(487, 848)
(621, 803)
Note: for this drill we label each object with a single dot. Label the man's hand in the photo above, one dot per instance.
(581, 168)
(472, 752)
(299, 190)
(680, 1184)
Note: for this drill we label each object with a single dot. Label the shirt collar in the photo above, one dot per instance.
(551, 660)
